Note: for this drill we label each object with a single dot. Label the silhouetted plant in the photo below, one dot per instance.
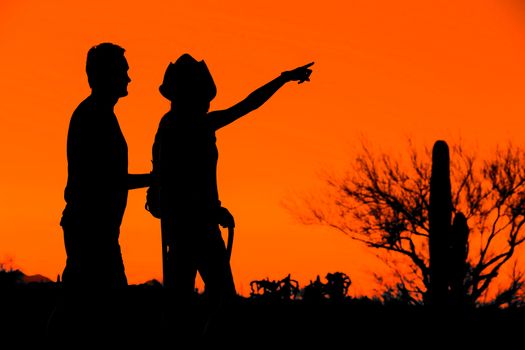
(448, 243)
(283, 290)
(335, 289)
(457, 264)
(263, 288)
(315, 291)
(384, 203)
(10, 277)
(337, 285)
(397, 294)
(439, 217)
(288, 288)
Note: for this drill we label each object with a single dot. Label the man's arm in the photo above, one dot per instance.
(138, 181)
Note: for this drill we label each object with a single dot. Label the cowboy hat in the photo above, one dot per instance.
(188, 78)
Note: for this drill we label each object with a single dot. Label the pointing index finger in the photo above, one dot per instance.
(308, 65)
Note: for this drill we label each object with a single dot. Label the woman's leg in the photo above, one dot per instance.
(216, 273)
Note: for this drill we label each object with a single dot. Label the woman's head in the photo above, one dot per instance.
(188, 81)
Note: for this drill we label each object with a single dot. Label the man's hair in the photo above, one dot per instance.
(101, 61)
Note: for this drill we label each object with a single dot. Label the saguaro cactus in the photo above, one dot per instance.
(458, 248)
(448, 244)
(440, 217)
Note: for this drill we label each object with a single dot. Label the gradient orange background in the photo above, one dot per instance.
(384, 70)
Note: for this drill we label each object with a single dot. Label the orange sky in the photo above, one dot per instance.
(384, 70)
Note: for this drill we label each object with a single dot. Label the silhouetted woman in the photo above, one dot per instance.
(185, 155)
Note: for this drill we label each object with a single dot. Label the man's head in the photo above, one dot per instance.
(107, 70)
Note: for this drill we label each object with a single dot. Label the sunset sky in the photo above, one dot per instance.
(384, 71)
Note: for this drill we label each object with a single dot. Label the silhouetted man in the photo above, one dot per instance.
(98, 179)
(93, 308)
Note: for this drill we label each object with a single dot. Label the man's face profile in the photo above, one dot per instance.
(120, 78)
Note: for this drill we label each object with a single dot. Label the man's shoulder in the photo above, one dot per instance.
(83, 120)
(84, 108)
(88, 115)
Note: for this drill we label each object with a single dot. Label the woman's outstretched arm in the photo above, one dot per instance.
(257, 98)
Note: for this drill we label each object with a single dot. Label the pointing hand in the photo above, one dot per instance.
(300, 74)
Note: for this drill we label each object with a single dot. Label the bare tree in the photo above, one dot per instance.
(383, 202)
